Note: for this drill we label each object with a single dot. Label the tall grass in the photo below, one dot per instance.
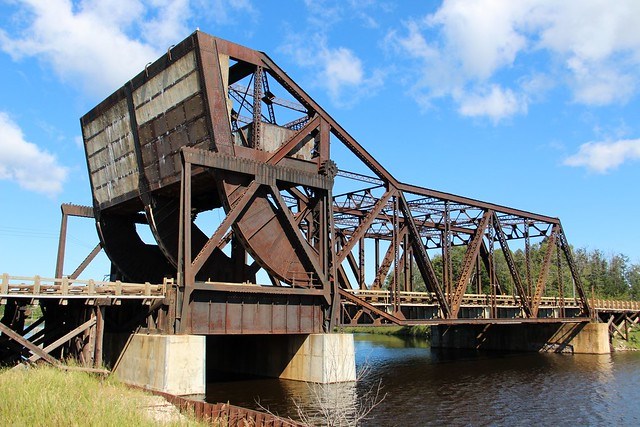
(46, 396)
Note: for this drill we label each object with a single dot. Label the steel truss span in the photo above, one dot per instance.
(215, 127)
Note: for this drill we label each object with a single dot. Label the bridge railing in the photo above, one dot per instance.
(381, 296)
(64, 287)
(613, 305)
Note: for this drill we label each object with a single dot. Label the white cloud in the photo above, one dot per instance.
(494, 102)
(90, 42)
(25, 163)
(602, 157)
(591, 46)
(338, 70)
(600, 84)
(223, 12)
(324, 14)
(482, 35)
(168, 25)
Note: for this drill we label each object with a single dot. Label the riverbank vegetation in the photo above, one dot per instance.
(603, 276)
(411, 331)
(45, 395)
(633, 343)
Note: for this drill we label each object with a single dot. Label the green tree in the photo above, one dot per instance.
(633, 278)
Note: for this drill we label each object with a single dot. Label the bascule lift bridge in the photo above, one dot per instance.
(216, 130)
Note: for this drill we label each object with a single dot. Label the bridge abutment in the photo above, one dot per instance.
(169, 363)
(182, 364)
(319, 358)
(589, 338)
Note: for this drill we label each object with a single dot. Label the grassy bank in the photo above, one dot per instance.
(48, 396)
(632, 344)
(407, 331)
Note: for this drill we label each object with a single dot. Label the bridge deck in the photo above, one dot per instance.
(36, 287)
(383, 297)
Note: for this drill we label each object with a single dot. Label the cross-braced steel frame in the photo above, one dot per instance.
(215, 126)
(329, 234)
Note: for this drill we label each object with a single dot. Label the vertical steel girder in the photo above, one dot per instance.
(74, 211)
(586, 309)
(527, 258)
(512, 266)
(355, 268)
(542, 277)
(561, 302)
(212, 81)
(487, 259)
(256, 134)
(492, 271)
(422, 259)
(406, 263)
(395, 292)
(447, 266)
(469, 262)
(361, 264)
(383, 270)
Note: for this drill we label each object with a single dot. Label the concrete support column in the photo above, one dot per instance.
(319, 358)
(590, 338)
(169, 363)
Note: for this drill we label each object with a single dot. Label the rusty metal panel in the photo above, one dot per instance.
(149, 154)
(234, 313)
(264, 315)
(110, 152)
(175, 117)
(165, 106)
(216, 315)
(308, 319)
(198, 132)
(159, 127)
(164, 91)
(177, 139)
(193, 108)
(226, 312)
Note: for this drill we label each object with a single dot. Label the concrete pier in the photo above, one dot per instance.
(319, 358)
(590, 338)
(169, 363)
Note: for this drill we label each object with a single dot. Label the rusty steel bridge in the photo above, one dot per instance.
(214, 131)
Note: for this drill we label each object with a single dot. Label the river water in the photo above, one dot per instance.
(424, 386)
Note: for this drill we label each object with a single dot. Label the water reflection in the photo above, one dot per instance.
(391, 341)
(313, 403)
(429, 387)
(320, 402)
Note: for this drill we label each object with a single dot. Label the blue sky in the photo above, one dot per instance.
(532, 104)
